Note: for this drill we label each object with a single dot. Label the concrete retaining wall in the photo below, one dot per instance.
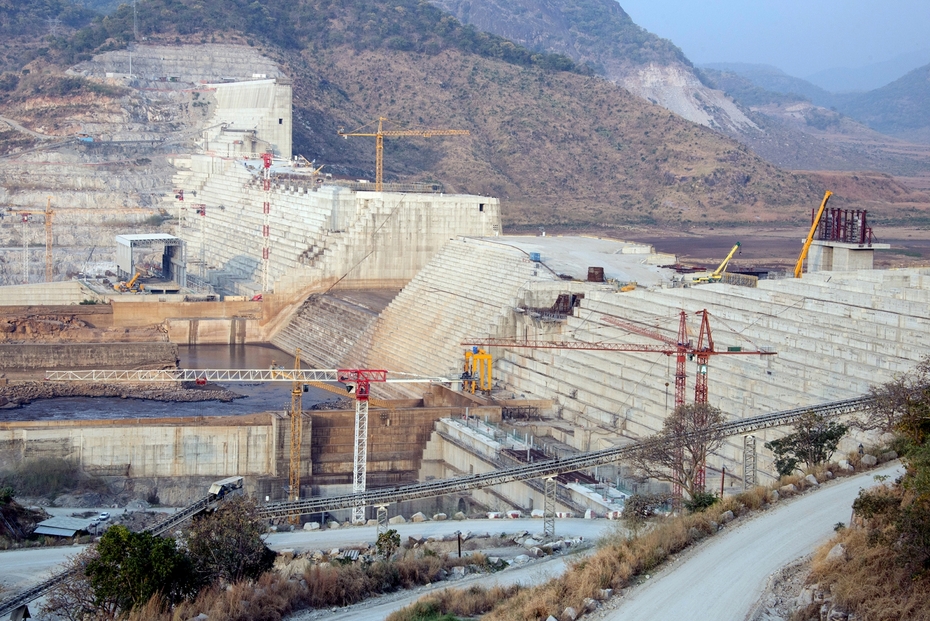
(164, 453)
(62, 293)
(89, 356)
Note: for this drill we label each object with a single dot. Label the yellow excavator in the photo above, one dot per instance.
(131, 285)
(717, 274)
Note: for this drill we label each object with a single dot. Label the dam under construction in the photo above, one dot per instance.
(268, 253)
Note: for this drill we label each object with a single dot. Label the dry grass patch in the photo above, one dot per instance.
(871, 582)
(621, 559)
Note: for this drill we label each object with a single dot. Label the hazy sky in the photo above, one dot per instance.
(800, 37)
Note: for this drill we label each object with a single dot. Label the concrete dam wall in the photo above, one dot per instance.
(174, 454)
(30, 356)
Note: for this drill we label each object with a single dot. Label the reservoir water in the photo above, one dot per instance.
(257, 397)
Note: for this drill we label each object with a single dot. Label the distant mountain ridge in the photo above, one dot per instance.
(777, 81)
(900, 109)
(599, 33)
(870, 77)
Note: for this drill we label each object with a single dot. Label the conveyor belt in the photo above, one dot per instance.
(384, 496)
(537, 470)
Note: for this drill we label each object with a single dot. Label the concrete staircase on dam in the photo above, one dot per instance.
(330, 332)
(835, 334)
(467, 290)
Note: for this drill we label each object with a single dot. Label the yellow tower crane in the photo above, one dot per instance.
(380, 134)
(297, 423)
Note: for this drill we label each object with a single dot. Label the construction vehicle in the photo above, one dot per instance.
(799, 266)
(717, 274)
(477, 371)
(132, 285)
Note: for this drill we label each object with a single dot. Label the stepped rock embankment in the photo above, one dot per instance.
(15, 395)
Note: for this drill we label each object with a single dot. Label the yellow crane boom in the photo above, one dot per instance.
(799, 266)
(717, 274)
(380, 134)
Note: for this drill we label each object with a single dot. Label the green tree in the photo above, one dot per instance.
(131, 568)
(227, 544)
(701, 501)
(387, 543)
(813, 442)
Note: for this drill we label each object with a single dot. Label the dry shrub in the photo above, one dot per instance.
(337, 585)
(469, 602)
(754, 498)
(416, 571)
(871, 583)
(267, 599)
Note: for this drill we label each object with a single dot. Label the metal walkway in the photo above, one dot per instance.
(221, 375)
(448, 486)
(538, 470)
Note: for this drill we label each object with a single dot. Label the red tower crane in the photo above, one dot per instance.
(680, 348)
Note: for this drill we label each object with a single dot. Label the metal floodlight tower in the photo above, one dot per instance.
(358, 381)
(266, 224)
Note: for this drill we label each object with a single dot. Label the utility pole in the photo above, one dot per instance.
(25, 221)
(266, 224)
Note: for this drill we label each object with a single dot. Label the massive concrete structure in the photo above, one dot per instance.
(397, 280)
(835, 335)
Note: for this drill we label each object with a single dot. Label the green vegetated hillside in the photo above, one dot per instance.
(557, 145)
(596, 32)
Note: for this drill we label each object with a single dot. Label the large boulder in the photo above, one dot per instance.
(418, 517)
(312, 526)
(836, 554)
(868, 460)
(812, 480)
(397, 519)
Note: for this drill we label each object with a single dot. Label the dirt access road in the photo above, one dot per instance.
(723, 578)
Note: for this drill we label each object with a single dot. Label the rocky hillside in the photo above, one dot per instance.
(601, 35)
(598, 33)
(898, 109)
(799, 134)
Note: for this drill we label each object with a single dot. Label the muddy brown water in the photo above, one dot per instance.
(257, 397)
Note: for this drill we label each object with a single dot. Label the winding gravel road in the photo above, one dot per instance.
(722, 579)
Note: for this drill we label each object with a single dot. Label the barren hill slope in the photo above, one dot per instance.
(561, 148)
(600, 33)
